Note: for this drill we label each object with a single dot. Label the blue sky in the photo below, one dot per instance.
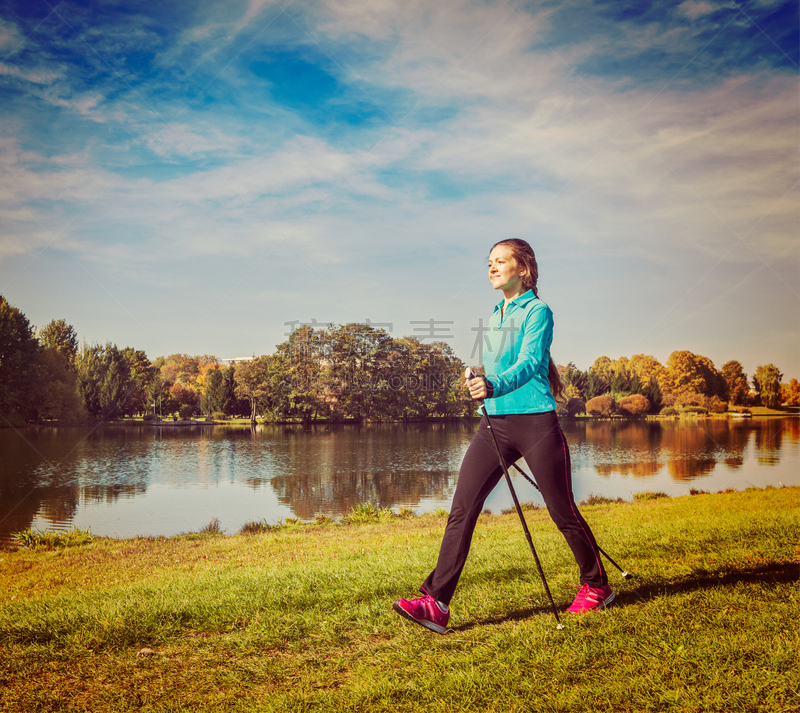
(191, 177)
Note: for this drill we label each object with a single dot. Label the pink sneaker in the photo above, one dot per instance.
(590, 598)
(425, 611)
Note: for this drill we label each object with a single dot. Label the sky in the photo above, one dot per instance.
(203, 177)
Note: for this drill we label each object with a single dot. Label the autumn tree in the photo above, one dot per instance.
(767, 381)
(692, 373)
(790, 393)
(736, 382)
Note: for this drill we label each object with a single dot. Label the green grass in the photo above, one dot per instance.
(298, 618)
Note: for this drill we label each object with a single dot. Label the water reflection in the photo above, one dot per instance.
(60, 477)
(688, 448)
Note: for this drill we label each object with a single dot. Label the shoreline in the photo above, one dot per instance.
(755, 413)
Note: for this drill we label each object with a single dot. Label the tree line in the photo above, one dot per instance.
(687, 382)
(352, 371)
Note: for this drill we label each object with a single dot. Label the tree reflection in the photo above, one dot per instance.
(331, 471)
(687, 448)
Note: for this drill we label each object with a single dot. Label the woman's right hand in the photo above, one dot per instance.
(476, 386)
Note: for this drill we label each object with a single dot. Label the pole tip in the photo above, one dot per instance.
(627, 575)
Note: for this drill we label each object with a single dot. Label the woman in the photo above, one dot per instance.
(519, 389)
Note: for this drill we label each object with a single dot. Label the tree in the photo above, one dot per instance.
(105, 381)
(140, 373)
(693, 373)
(574, 380)
(258, 382)
(214, 399)
(181, 395)
(61, 337)
(302, 358)
(599, 377)
(56, 395)
(790, 393)
(767, 381)
(647, 368)
(18, 352)
(652, 392)
(736, 382)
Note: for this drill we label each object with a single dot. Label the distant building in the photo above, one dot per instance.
(238, 360)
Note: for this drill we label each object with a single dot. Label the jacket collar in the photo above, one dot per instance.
(522, 300)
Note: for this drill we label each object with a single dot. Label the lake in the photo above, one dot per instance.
(122, 480)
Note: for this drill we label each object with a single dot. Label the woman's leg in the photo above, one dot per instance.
(542, 443)
(480, 472)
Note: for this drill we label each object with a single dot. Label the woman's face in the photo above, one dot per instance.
(504, 272)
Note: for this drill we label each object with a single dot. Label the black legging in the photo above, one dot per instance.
(537, 437)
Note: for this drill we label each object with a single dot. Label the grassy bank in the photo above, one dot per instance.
(300, 618)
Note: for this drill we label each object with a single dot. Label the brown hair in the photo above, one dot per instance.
(523, 253)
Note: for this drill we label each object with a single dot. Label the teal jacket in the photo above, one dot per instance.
(516, 357)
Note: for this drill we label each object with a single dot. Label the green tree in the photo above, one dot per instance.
(652, 392)
(18, 375)
(215, 396)
(767, 381)
(596, 385)
(59, 335)
(56, 394)
(302, 357)
(140, 372)
(574, 380)
(155, 389)
(736, 382)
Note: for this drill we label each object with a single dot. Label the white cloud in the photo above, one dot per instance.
(39, 75)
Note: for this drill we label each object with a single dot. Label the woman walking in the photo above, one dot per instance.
(520, 387)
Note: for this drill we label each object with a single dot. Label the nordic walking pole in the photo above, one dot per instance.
(470, 375)
(625, 573)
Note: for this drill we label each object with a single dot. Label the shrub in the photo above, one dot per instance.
(364, 513)
(256, 527)
(214, 527)
(148, 417)
(601, 406)
(716, 405)
(575, 406)
(218, 416)
(646, 495)
(669, 411)
(595, 499)
(634, 405)
(34, 539)
(185, 412)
